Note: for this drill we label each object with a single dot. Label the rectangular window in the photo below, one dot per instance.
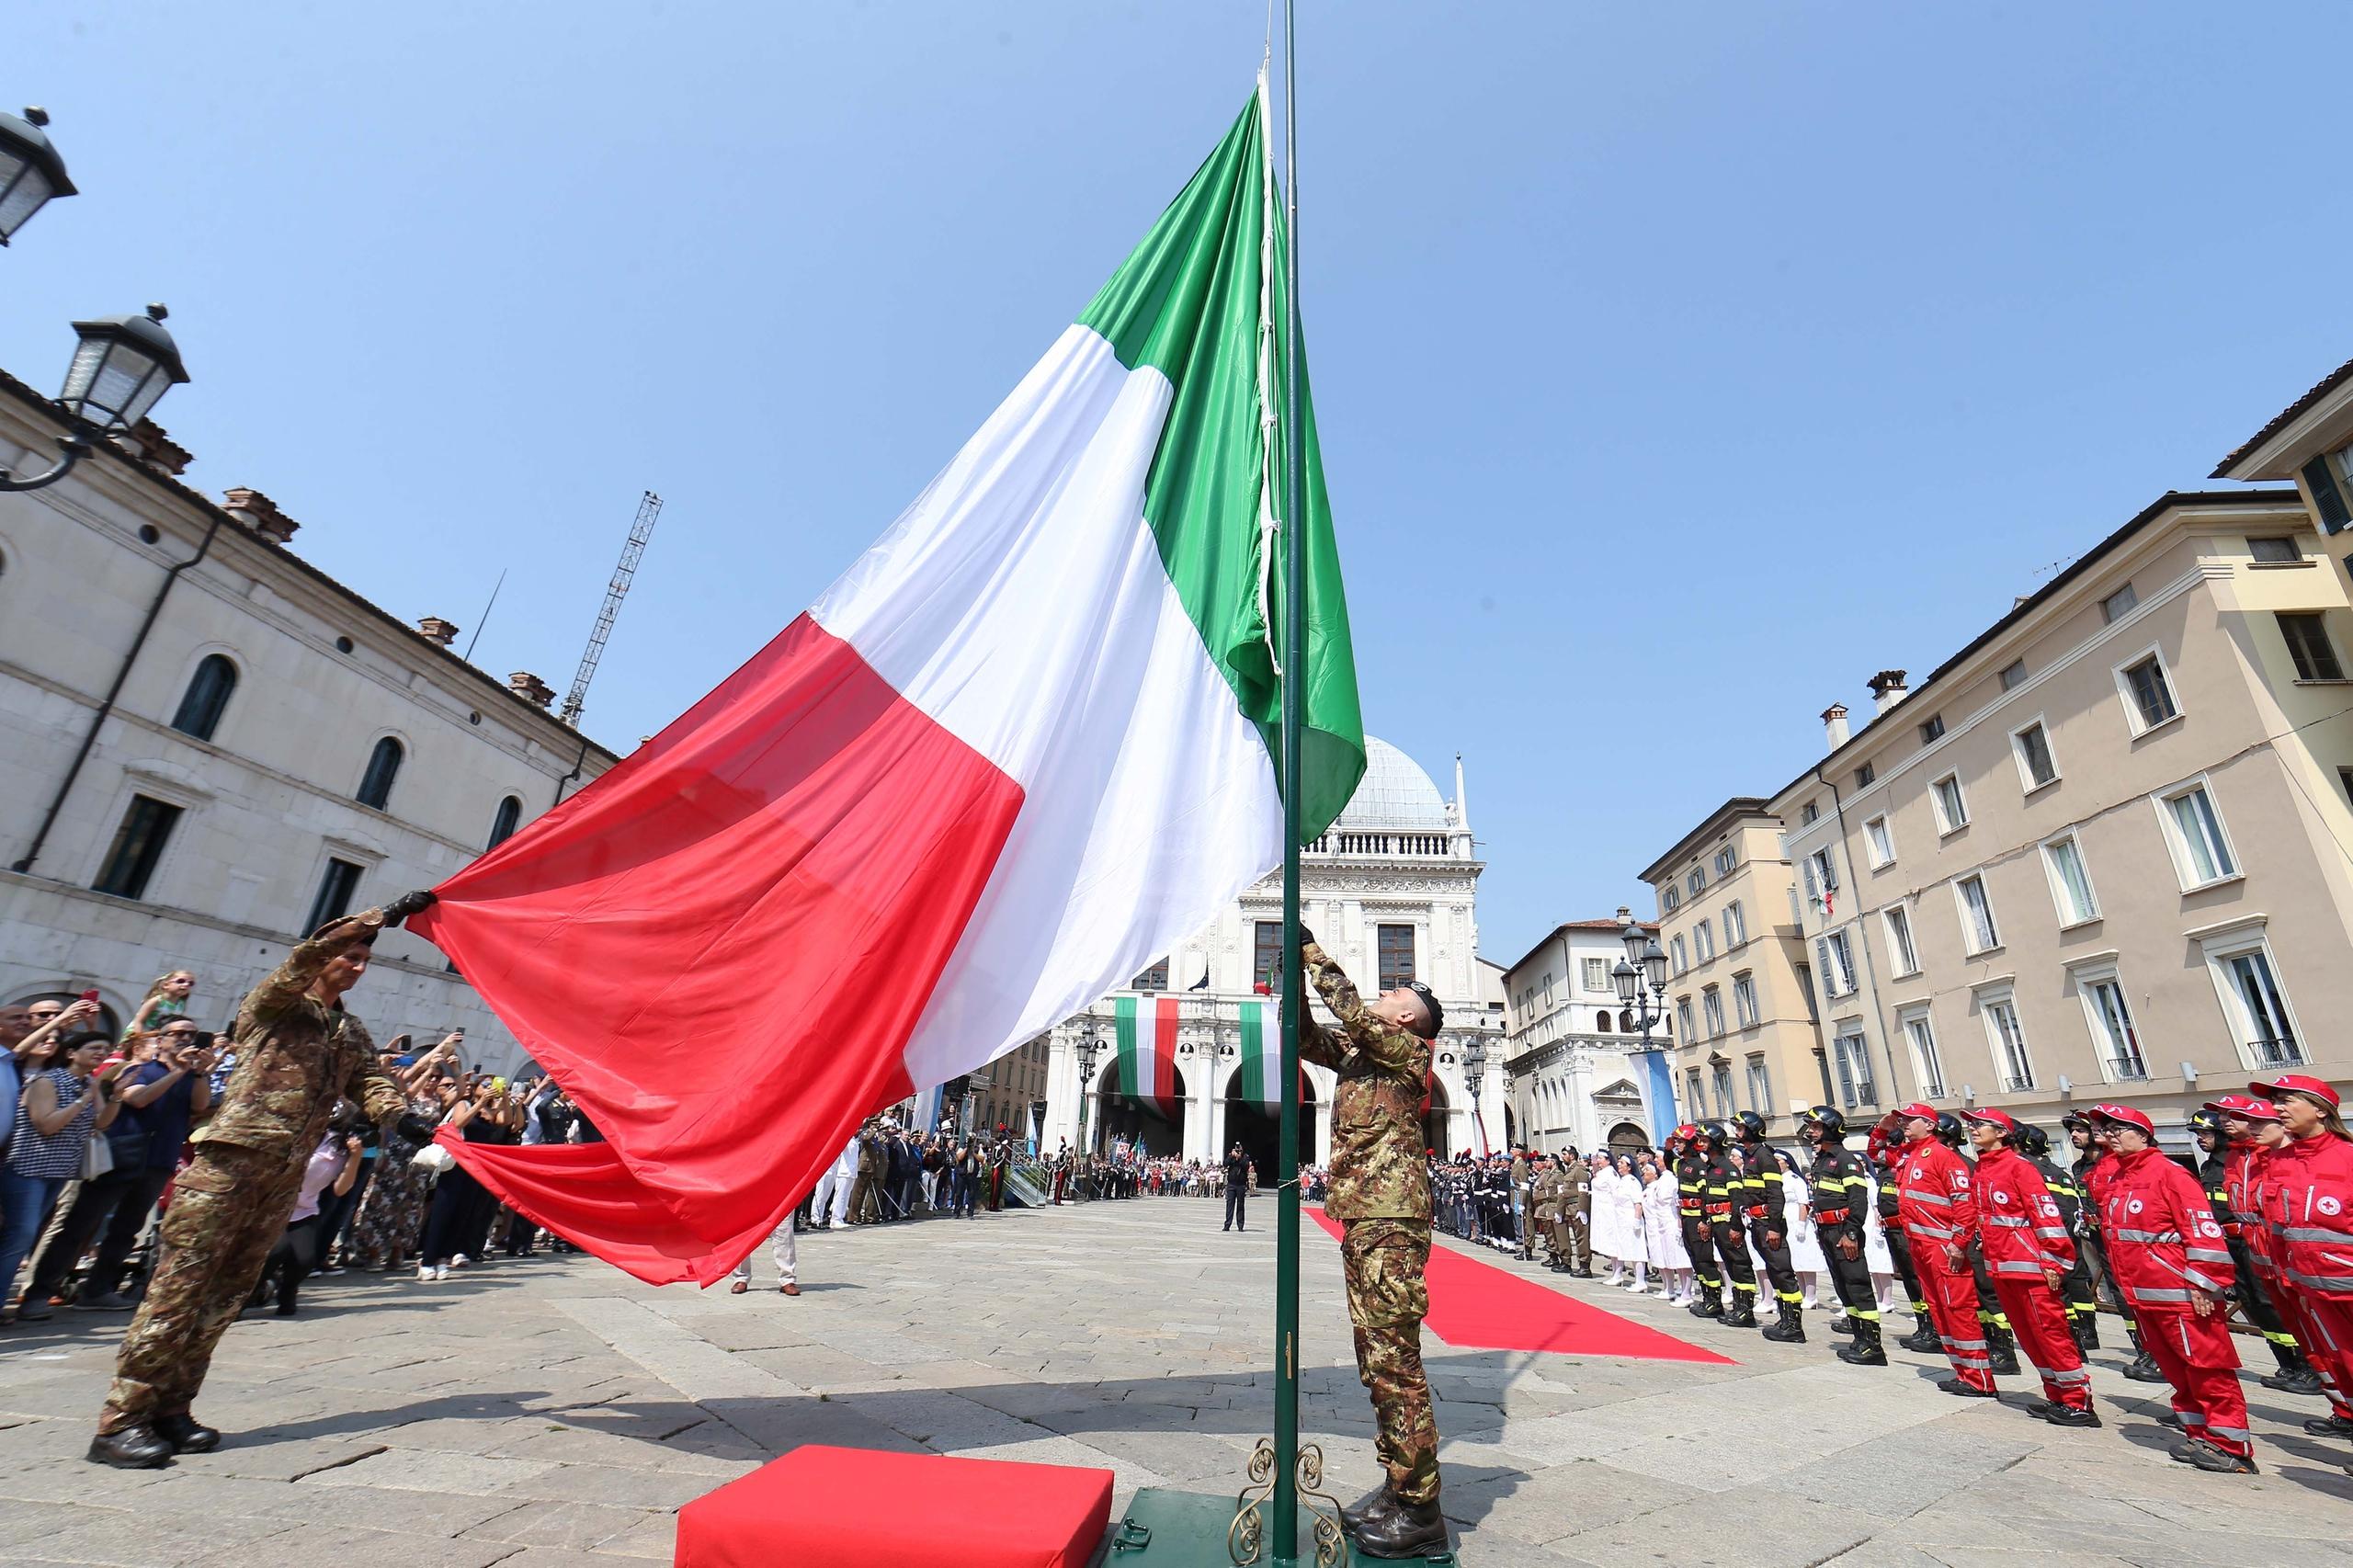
(2328, 494)
(1596, 974)
(1266, 954)
(1805, 984)
(1721, 1078)
(1854, 1058)
(1153, 979)
(1683, 1019)
(1682, 956)
(1703, 940)
(1760, 1088)
(1670, 899)
(2279, 550)
(2271, 1040)
(1711, 1008)
(2194, 832)
(2344, 776)
(1699, 1107)
(2033, 746)
(138, 845)
(1864, 776)
(1396, 955)
(1932, 729)
(1821, 878)
(342, 880)
(1807, 814)
(1921, 1036)
(1726, 859)
(2120, 1042)
(1743, 1001)
(1697, 881)
(1977, 933)
(1901, 954)
(2013, 675)
(2071, 885)
(2150, 692)
(1878, 842)
(1735, 925)
(2118, 604)
(1952, 806)
(2008, 1041)
(2308, 644)
(1837, 963)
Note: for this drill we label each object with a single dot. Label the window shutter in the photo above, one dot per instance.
(2334, 513)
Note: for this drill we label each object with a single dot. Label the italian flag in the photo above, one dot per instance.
(1025, 743)
(1147, 1053)
(1262, 1076)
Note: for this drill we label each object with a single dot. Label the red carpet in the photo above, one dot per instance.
(1477, 1306)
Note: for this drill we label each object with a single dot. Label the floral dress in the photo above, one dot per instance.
(391, 1211)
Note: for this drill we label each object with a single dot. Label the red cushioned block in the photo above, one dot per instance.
(859, 1509)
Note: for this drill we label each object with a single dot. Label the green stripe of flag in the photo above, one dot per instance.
(1123, 1026)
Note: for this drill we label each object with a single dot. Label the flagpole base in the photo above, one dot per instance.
(1165, 1529)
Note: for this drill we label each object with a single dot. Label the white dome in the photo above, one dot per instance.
(1394, 795)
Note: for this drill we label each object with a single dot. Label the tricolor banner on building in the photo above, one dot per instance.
(1262, 1078)
(1025, 744)
(1146, 1042)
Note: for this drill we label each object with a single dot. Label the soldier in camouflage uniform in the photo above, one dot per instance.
(1575, 1225)
(1380, 1195)
(298, 1052)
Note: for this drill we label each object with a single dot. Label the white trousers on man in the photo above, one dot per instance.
(788, 1260)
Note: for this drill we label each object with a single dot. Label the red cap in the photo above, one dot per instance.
(2124, 1115)
(2282, 1083)
(1925, 1112)
(1992, 1117)
(2246, 1105)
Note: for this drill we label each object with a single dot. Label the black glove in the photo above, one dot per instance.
(1306, 936)
(409, 903)
(416, 1129)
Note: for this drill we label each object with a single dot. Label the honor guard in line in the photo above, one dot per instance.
(2025, 1249)
(1522, 1183)
(1544, 1211)
(1575, 1225)
(1380, 1195)
(2254, 1300)
(1725, 1185)
(2083, 1305)
(1691, 1208)
(1768, 1231)
(1840, 1184)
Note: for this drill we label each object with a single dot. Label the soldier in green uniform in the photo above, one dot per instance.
(1380, 1196)
(1576, 1217)
(298, 1052)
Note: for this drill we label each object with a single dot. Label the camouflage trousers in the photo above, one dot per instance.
(228, 1210)
(1388, 1298)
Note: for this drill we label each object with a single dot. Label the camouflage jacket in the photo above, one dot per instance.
(296, 1056)
(1378, 1170)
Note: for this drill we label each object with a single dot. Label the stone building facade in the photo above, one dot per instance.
(1574, 1083)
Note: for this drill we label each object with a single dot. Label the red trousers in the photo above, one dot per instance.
(1952, 1308)
(2040, 1323)
(2200, 1360)
(2323, 1331)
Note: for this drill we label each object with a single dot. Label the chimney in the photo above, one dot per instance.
(1887, 690)
(149, 445)
(524, 683)
(438, 632)
(1834, 724)
(259, 513)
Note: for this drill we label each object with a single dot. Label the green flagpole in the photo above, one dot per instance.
(1286, 1497)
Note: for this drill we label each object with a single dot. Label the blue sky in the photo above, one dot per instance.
(1691, 360)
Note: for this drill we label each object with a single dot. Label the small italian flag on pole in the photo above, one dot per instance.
(1026, 743)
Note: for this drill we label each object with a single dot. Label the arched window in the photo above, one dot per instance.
(1602, 1020)
(501, 825)
(383, 767)
(206, 697)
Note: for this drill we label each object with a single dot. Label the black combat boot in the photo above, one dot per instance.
(1706, 1303)
(186, 1435)
(2144, 1369)
(2085, 1328)
(131, 1448)
(1789, 1325)
(2295, 1375)
(1923, 1337)
(1743, 1310)
(2001, 1350)
(1374, 1504)
(1866, 1350)
(1409, 1529)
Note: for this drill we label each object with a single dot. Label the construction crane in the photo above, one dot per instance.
(649, 508)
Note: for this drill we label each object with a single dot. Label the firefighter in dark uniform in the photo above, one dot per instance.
(1840, 1185)
(1767, 1212)
(1726, 1188)
(1691, 1208)
(2296, 1375)
(2075, 1287)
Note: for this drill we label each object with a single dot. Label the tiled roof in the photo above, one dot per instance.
(2285, 417)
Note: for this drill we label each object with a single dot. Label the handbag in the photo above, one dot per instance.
(98, 1159)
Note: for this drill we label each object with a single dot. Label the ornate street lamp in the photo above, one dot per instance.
(1088, 1050)
(1474, 1070)
(1642, 970)
(121, 366)
(31, 174)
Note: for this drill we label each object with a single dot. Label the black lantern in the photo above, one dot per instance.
(1655, 964)
(1633, 938)
(123, 365)
(1628, 981)
(31, 174)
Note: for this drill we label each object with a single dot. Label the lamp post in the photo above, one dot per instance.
(31, 174)
(1088, 1050)
(1641, 977)
(1474, 1070)
(121, 366)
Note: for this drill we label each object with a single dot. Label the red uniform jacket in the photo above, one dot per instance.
(2018, 1219)
(2307, 1199)
(2243, 1183)
(1933, 1201)
(2163, 1239)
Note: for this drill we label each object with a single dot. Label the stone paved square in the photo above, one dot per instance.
(553, 1411)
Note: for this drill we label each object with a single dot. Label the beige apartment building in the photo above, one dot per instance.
(2105, 852)
(2311, 442)
(1738, 986)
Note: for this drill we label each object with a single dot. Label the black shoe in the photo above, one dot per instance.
(1961, 1390)
(2086, 1333)
(2004, 1362)
(2068, 1415)
(30, 1310)
(2171, 1422)
(2296, 1380)
(1743, 1313)
(1922, 1339)
(186, 1435)
(2330, 1426)
(2206, 1455)
(132, 1448)
(1409, 1529)
(2144, 1369)
(2040, 1407)
(1866, 1350)
(1374, 1504)
(1842, 1326)
(1788, 1328)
